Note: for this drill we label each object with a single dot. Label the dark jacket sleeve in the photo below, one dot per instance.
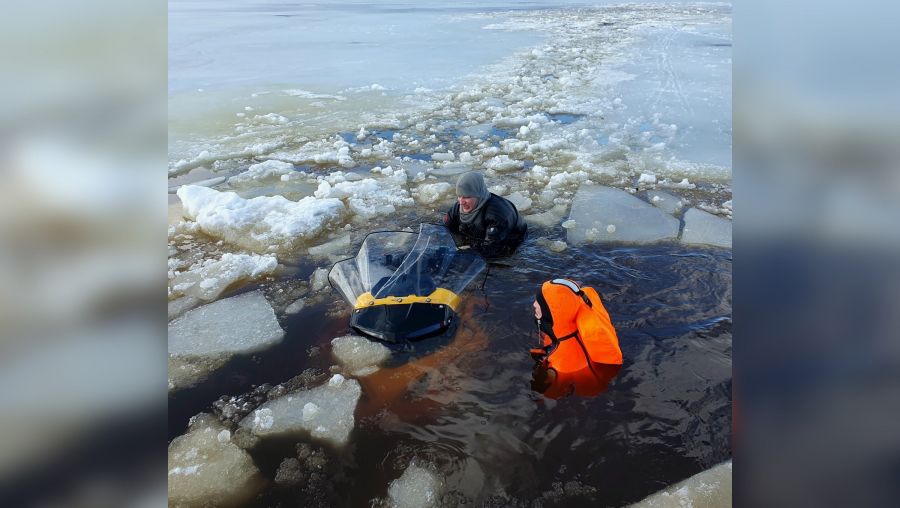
(498, 227)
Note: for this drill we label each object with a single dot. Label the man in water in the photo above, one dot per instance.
(579, 350)
(487, 222)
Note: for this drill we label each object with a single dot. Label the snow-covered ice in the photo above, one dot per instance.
(265, 171)
(238, 325)
(596, 208)
(359, 356)
(262, 224)
(705, 228)
(292, 413)
(206, 469)
(369, 197)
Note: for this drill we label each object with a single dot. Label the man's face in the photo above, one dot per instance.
(467, 203)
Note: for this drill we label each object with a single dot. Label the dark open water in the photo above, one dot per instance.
(664, 417)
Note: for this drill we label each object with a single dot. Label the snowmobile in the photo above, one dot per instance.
(405, 286)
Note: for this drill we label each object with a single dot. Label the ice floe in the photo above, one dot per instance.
(359, 356)
(211, 277)
(707, 489)
(604, 214)
(705, 228)
(324, 412)
(205, 338)
(238, 325)
(262, 224)
(206, 469)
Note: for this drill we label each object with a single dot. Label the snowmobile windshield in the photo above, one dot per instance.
(402, 264)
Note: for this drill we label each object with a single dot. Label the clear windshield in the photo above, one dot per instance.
(403, 264)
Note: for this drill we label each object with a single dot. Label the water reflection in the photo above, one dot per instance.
(587, 382)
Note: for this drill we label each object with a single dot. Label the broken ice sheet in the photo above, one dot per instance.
(324, 412)
(203, 339)
(604, 214)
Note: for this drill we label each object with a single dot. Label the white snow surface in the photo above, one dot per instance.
(596, 207)
(206, 470)
(207, 281)
(705, 228)
(292, 414)
(359, 356)
(262, 224)
(416, 488)
(238, 325)
(707, 489)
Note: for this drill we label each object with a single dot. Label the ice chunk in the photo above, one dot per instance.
(209, 280)
(433, 192)
(569, 224)
(205, 470)
(238, 325)
(336, 380)
(647, 178)
(295, 307)
(263, 419)
(705, 228)
(707, 489)
(665, 201)
(260, 224)
(416, 488)
(502, 163)
(319, 279)
(478, 131)
(333, 421)
(521, 201)
(337, 246)
(451, 169)
(264, 171)
(310, 411)
(369, 197)
(443, 156)
(595, 208)
(358, 355)
(549, 218)
(551, 245)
